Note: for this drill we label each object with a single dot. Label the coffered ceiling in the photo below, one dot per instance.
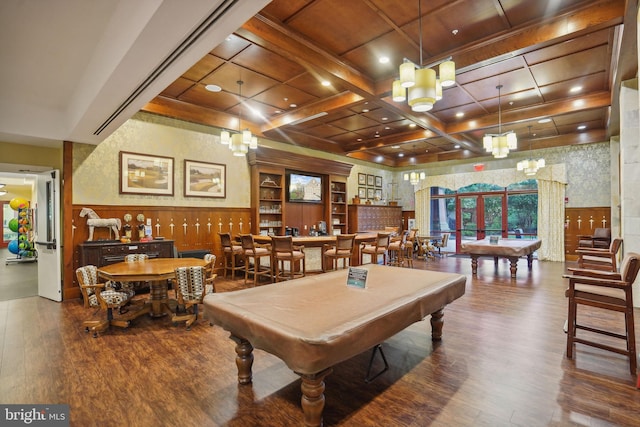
(559, 63)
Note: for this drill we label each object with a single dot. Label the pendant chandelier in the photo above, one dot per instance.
(424, 87)
(414, 177)
(500, 144)
(239, 143)
(530, 166)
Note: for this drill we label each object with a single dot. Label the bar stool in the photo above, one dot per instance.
(342, 249)
(283, 250)
(401, 251)
(255, 252)
(230, 252)
(377, 248)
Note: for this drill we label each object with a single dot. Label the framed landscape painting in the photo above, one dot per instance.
(205, 179)
(146, 174)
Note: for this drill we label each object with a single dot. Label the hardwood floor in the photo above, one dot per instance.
(501, 363)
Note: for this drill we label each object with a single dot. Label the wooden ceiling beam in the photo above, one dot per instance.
(273, 36)
(536, 112)
(328, 105)
(530, 37)
(188, 112)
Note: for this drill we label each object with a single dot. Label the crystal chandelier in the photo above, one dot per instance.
(530, 166)
(423, 86)
(239, 143)
(414, 177)
(500, 144)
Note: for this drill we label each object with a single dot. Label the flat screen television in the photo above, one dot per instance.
(302, 187)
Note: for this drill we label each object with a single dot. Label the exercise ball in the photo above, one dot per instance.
(13, 224)
(18, 202)
(13, 247)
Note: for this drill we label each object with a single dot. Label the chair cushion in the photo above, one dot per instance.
(295, 255)
(115, 298)
(601, 294)
(257, 251)
(339, 252)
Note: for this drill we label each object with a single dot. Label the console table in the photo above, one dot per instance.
(109, 252)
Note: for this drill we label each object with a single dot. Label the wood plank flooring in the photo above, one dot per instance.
(501, 363)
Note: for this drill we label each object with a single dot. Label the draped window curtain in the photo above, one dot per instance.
(551, 185)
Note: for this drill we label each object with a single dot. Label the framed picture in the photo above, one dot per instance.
(146, 174)
(205, 179)
(370, 180)
(362, 179)
(371, 193)
(362, 192)
(378, 182)
(378, 195)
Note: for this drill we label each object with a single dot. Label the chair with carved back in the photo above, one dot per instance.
(600, 259)
(603, 290)
(284, 251)
(413, 238)
(190, 291)
(342, 249)
(376, 248)
(254, 252)
(104, 296)
(231, 253)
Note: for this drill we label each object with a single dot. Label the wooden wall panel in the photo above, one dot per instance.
(581, 221)
(185, 232)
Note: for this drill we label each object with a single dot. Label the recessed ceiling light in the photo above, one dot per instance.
(385, 118)
(426, 151)
(456, 146)
(213, 88)
(395, 146)
(460, 114)
(582, 127)
(575, 89)
(383, 59)
(387, 128)
(359, 139)
(412, 125)
(454, 32)
(326, 83)
(366, 110)
(578, 103)
(293, 105)
(547, 120)
(400, 154)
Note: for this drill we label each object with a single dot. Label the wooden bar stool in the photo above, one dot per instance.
(252, 251)
(283, 250)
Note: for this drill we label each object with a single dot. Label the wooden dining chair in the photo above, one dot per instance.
(342, 249)
(232, 254)
(598, 258)
(401, 251)
(604, 290)
(253, 254)
(377, 248)
(210, 276)
(284, 251)
(104, 296)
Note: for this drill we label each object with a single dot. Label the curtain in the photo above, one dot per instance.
(551, 220)
(423, 211)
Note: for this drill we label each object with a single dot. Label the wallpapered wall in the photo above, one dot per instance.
(588, 172)
(96, 168)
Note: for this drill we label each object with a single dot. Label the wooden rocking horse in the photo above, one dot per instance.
(95, 221)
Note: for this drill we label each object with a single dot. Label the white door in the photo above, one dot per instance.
(47, 235)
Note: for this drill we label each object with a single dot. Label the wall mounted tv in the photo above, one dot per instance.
(302, 187)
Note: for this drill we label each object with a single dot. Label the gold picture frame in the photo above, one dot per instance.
(203, 179)
(146, 174)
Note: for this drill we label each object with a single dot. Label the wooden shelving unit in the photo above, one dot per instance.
(269, 215)
(338, 197)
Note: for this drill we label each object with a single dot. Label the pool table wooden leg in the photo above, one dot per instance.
(513, 261)
(436, 325)
(530, 261)
(244, 359)
(474, 264)
(313, 397)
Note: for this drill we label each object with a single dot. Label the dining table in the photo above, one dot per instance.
(156, 271)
